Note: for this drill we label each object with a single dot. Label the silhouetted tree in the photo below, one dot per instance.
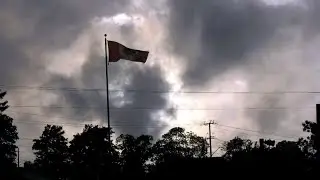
(92, 156)
(268, 158)
(177, 144)
(308, 145)
(177, 154)
(8, 137)
(267, 144)
(289, 149)
(236, 146)
(134, 153)
(51, 151)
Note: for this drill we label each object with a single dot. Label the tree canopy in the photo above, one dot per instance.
(8, 137)
(51, 150)
(134, 154)
(91, 153)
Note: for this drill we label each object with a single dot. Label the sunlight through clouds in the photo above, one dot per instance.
(281, 2)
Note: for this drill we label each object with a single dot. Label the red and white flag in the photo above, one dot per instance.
(118, 51)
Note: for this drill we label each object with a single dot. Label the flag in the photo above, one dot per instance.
(118, 51)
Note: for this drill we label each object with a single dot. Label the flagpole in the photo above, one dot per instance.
(107, 87)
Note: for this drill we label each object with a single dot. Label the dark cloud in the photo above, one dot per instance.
(269, 119)
(138, 108)
(220, 35)
(30, 29)
(12, 60)
(144, 106)
(57, 23)
(225, 32)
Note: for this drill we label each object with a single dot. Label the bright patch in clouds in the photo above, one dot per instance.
(122, 19)
(280, 2)
(240, 83)
(69, 61)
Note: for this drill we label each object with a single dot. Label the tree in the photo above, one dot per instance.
(267, 144)
(8, 137)
(135, 152)
(92, 155)
(237, 146)
(308, 145)
(175, 151)
(267, 158)
(289, 150)
(179, 144)
(51, 151)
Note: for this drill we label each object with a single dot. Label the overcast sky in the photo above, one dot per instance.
(53, 68)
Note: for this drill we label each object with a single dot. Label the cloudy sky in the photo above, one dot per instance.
(251, 64)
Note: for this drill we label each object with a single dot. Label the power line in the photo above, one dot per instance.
(255, 135)
(118, 124)
(43, 115)
(123, 124)
(148, 126)
(137, 126)
(256, 131)
(215, 138)
(82, 124)
(158, 108)
(73, 119)
(48, 88)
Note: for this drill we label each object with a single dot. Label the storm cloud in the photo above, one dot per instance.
(252, 37)
(206, 45)
(133, 110)
(58, 44)
(222, 33)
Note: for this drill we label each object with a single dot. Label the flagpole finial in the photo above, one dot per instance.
(105, 35)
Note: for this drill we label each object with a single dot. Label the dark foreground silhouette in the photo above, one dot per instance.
(177, 154)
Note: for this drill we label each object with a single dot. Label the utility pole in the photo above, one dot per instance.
(18, 157)
(210, 137)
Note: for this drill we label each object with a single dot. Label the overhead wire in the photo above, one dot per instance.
(48, 88)
(117, 124)
(158, 108)
(256, 131)
(75, 124)
(274, 137)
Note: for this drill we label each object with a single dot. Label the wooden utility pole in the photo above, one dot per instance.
(210, 136)
(18, 157)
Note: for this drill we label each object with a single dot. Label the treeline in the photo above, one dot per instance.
(89, 155)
